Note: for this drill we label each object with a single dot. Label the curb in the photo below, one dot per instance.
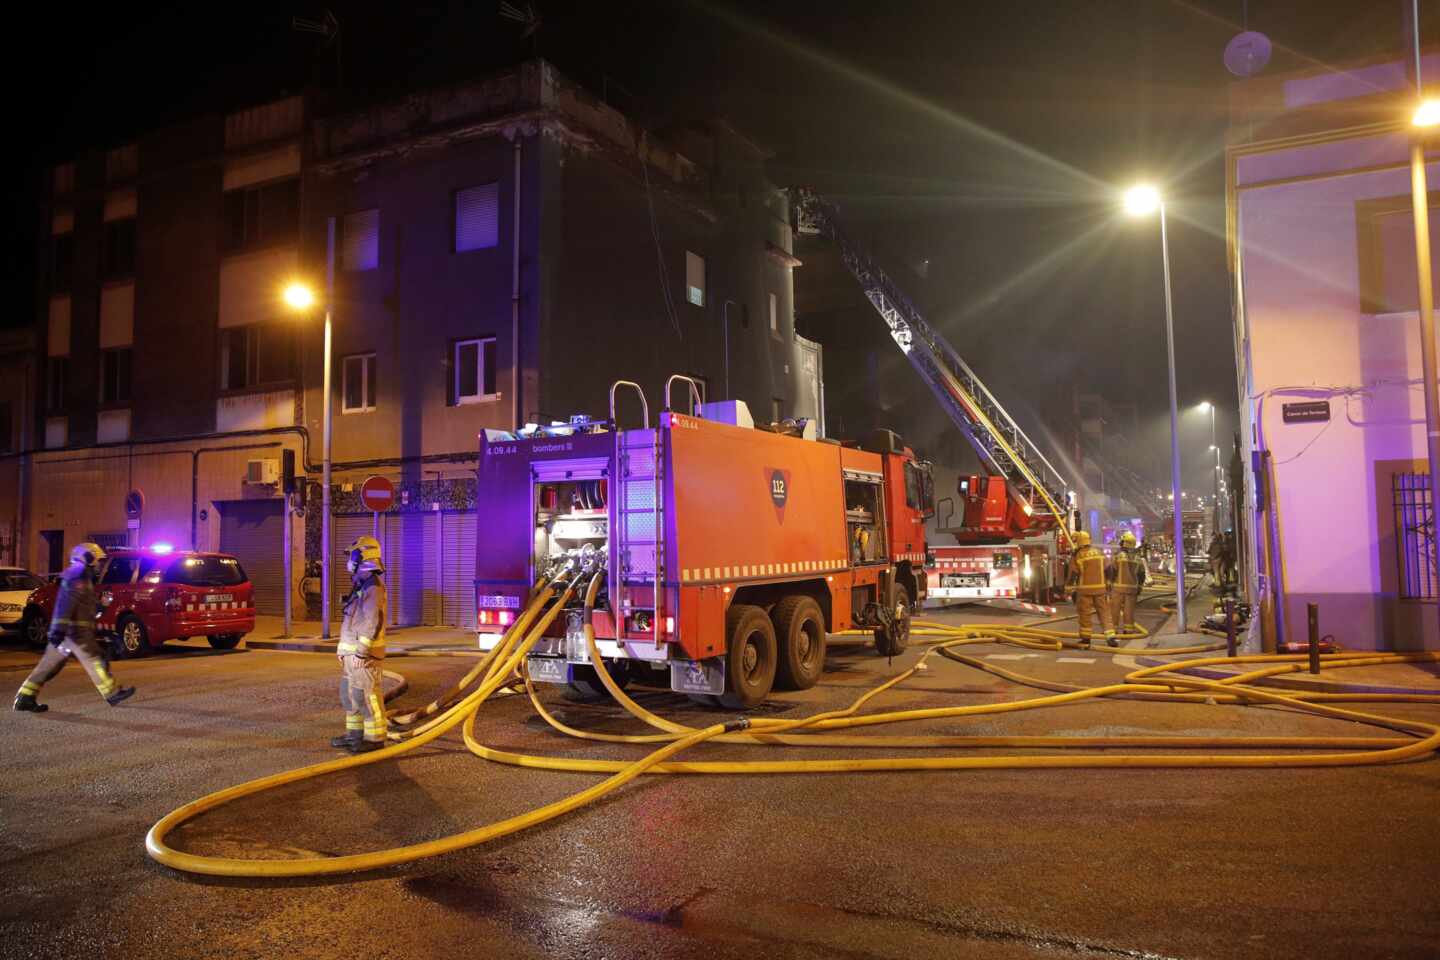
(1294, 683)
(320, 646)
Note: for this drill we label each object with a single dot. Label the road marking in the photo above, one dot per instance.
(1074, 659)
(1005, 656)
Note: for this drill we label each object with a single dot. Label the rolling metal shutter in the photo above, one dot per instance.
(458, 586)
(408, 541)
(344, 529)
(477, 222)
(253, 531)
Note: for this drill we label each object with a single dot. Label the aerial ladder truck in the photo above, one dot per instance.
(1021, 496)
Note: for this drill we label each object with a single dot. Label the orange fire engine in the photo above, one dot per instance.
(727, 566)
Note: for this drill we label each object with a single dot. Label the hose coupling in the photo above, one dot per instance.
(738, 724)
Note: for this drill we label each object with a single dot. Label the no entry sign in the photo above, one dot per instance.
(377, 493)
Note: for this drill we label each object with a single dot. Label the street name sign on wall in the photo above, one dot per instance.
(377, 494)
(1311, 411)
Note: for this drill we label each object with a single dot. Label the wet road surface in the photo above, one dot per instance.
(1004, 863)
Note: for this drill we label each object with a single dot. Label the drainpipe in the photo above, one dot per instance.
(725, 325)
(515, 296)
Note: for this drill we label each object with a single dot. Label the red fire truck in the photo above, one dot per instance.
(731, 550)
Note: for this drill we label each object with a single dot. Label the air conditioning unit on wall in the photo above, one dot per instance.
(262, 472)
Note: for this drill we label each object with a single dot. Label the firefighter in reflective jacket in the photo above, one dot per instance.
(362, 650)
(1087, 583)
(72, 633)
(1126, 575)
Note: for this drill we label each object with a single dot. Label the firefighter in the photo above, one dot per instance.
(362, 650)
(72, 633)
(1087, 586)
(1126, 574)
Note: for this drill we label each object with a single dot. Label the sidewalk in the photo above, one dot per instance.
(399, 641)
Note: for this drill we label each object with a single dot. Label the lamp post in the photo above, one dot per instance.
(302, 298)
(1142, 201)
(1207, 407)
(1427, 116)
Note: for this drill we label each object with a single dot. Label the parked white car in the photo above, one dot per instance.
(16, 585)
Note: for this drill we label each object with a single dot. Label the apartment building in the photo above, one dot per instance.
(501, 251)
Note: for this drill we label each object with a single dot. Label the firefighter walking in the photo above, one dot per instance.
(72, 633)
(1126, 574)
(362, 650)
(1088, 585)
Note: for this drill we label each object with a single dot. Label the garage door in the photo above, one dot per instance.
(253, 531)
(409, 542)
(344, 530)
(458, 587)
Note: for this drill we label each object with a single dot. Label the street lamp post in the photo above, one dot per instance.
(1142, 201)
(1427, 116)
(300, 297)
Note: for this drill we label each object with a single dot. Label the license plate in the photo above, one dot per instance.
(219, 597)
(965, 580)
(698, 676)
(548, 669)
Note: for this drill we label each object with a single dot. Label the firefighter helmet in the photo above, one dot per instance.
(1080, 538)
(1127, 539)
(87, 554)
(364, 556)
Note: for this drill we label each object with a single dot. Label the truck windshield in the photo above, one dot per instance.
(206, 572)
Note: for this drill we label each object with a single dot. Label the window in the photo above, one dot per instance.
(774, 314)
(261, 216)
(1414, 526)
(477, 222)
(120, 570)
(206, 572)
(62, 261)
(255, 355)
(864, 521)
(57, 373)
(474, 363)
(359, 384)
(695, 278)
(120, 249)
(115, 377)
(360, 241)
(1386, 249)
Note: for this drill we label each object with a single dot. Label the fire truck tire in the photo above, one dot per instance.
(585, 685)
(751, 657)
(800, 628)
(892, 645)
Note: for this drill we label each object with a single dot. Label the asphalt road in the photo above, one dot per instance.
(1037, 863)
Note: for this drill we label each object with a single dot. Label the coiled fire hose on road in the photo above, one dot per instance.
(1165, 683)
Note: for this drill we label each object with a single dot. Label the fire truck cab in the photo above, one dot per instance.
(729, 550)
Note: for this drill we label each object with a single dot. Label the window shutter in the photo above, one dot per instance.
(361, 243)
(477, 217)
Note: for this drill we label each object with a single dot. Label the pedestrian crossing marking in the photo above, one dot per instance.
(1005, 656)
(1074, 659)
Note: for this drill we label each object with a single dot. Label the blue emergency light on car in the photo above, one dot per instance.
(161, 548)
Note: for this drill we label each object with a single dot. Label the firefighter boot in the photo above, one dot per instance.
(366, 746)
(25, 703)
(120, 696)
(1110, 638)
(346, 740)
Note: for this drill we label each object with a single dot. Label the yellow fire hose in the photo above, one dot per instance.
(1164, 682)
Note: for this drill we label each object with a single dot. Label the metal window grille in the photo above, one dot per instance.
(1415, 535)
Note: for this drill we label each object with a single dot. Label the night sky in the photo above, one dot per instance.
(987, 138)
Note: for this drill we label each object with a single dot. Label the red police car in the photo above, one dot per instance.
(150, 596)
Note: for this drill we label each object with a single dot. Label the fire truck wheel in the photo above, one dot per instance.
(585, 683)
(800, 627)
(893, 643)
(750, 657)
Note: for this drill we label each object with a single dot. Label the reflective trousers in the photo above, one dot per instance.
(1090, 605)
(360, 695)
(87, 652)
(1123, 604)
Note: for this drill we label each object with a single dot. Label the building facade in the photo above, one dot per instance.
(1322, 257)
(501, 251)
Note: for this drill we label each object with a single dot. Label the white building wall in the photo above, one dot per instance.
(1308, 339)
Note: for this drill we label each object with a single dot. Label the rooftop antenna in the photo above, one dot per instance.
(329, 28)
(527, 16)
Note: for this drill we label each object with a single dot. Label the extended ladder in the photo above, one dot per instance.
(1001, 445)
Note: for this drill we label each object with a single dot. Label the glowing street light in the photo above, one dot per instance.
(1427, 114)
(298, 296)
(1141, 201)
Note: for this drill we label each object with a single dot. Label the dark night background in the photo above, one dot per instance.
(986, 138)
